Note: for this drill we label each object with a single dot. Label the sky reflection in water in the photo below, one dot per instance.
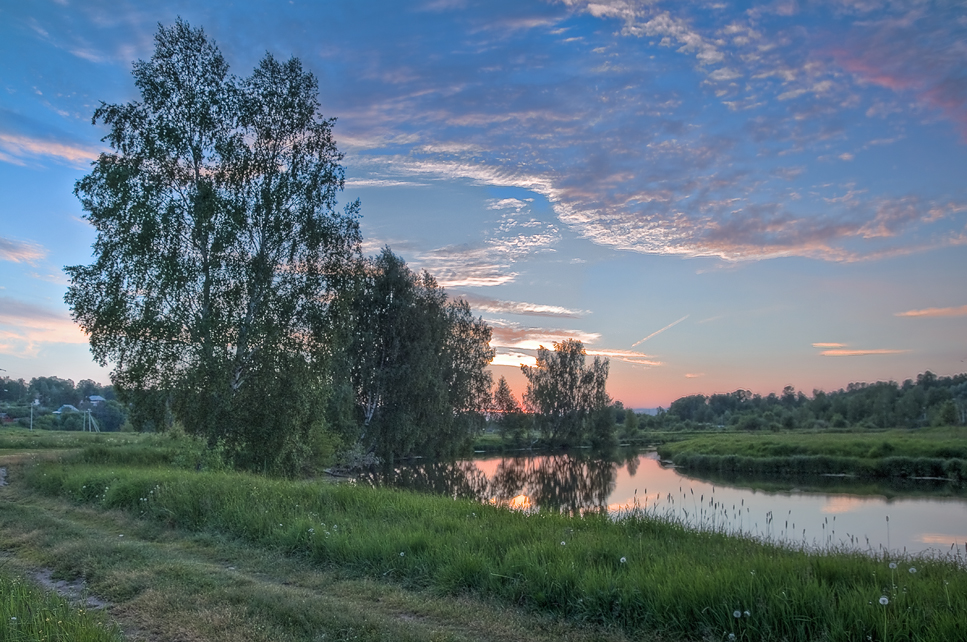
(868, 518)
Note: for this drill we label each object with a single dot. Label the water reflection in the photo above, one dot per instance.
(815, 512)
(570, 483)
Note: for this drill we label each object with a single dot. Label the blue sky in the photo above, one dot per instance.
(715, 195)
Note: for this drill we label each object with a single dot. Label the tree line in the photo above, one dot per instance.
(928, 400)
(229, 292)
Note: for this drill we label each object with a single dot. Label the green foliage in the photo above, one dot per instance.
(639, 573)
(928, 401)
(27, 613)
(417, 361)
(218, 246)
(570, 398)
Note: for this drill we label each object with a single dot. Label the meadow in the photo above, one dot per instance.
(320, 558)
(927, 452)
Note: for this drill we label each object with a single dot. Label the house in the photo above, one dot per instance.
(66, 408)
(96, 400)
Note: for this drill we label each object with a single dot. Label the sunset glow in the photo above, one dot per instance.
(711, 196)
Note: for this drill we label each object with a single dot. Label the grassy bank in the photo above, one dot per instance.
(637, 575)
(935, 452)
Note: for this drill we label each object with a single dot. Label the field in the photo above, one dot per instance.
(211, 555)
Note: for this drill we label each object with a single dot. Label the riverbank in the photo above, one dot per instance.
(931, 453)
(637, 577)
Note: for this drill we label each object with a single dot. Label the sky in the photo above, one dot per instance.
(713, 195)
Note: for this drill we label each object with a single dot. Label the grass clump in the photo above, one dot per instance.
(637, 573)
(28, 613)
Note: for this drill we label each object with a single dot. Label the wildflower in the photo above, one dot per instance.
(731, 636)
(893, 565)
(563, 543)
(884, 600)
(913, 569)
(311, 531)
(747, 614)
(13, 619)
(736, 614)
(402, 554)
(121, 535)
(624, 560)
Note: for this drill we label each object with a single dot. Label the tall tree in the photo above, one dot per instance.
(568, 395)
(417, 361)
(218, 246)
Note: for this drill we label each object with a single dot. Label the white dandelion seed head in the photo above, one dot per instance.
(884, 600)
(737, 614)
(746, 613)
(892, 564)
(913, 569)
(563, 543)
(402, 554)
(624, 560)
(731, 636)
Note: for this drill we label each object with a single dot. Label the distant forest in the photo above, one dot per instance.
(928, 400)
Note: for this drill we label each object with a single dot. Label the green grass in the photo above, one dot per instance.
(28, 613)
(638, 575)
(935, 452)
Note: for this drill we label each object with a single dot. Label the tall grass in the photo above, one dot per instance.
(638, 573)
(29, 614)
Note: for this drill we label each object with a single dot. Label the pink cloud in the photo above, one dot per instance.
(935, 312)
(18, 146)
(20, 252)
(859, 353)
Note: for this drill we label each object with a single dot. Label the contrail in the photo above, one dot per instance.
(656, 332)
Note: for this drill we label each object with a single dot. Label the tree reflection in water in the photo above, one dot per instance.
(570, 483)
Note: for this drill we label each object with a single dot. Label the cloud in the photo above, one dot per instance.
(694, 375)
(916, 52)
(935, 312)
(859, 353)
(513, 359)
(492, 263)
(20, 252)
(513, 335)
(16, 147)
(461, 266)
(26, 327)
(829, 345)
(484, 304)
(628, 356)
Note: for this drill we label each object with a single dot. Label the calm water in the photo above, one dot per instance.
(819, 512)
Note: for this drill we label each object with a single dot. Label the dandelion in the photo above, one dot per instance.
(402, 554)
(624, 560)
(563, 543)
(746, 613)
(311, 531)
(913, 569)
(121, 535)
(736, 614)
(884, 600)
(13, 619)
(731, 636)
(893, 565)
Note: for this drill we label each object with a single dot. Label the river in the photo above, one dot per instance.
(912, 517)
